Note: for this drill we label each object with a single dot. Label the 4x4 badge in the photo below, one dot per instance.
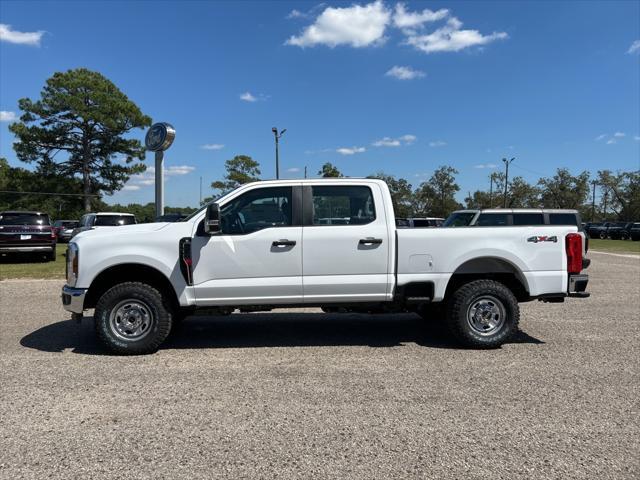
(537, 239)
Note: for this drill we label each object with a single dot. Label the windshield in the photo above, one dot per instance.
(114, 220)
(23, 219)
(459, 219)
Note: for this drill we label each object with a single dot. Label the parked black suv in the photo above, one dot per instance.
(634, 231)
(27, 232)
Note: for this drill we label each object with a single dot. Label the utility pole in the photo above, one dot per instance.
(593, 201)
(200, 203)
(277, 138)
(305, 171)
(506, 180)
(491, 191)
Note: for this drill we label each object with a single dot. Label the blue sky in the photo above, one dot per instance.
(366, 86)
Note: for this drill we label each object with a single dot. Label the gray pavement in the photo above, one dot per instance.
(299, 394)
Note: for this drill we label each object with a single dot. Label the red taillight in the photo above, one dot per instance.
(573, 244)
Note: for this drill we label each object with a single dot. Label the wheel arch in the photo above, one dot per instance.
(129, 272)
(490, 268)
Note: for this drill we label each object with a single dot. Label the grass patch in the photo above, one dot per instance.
(33, 266)
(614, 246)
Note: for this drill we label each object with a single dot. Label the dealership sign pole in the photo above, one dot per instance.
(159, 138)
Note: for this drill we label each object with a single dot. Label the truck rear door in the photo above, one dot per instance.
(346, 243)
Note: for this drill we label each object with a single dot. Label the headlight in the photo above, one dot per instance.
(72, 264)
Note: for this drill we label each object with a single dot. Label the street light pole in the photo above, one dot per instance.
(491, 191)
(506, 180)
(277, 138)
(593, 201)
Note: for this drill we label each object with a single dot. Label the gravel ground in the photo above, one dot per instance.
(299, 394)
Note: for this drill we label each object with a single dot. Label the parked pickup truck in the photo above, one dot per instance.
(275, 244)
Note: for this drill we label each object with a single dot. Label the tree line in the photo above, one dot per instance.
(77, 135)
(619, 193)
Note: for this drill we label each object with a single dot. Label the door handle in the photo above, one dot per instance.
(283, 243)
(370, 241)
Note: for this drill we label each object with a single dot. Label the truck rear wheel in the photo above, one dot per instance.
(483, 314)
(132, 318)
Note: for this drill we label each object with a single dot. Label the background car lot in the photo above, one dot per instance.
(301, 394)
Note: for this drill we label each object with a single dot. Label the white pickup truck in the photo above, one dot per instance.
(330, 243)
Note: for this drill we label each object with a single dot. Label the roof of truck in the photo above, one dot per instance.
(518, 210)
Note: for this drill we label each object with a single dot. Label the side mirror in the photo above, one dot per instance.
(212, 219)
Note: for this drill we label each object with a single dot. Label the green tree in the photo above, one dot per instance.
(522, 194)
(401, 194)
(84, 115)
(241, 169)
(39, 190)
(623, 191)
(329, 170)
(564, 190)
(439, 192)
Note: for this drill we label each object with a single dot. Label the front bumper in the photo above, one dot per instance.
(73, 299)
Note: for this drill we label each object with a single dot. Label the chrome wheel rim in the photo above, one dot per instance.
(486, 315)
(131, 320)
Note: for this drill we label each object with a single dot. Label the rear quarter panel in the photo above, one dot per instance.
(435, 255)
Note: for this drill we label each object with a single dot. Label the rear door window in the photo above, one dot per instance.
(343, 205)
(493, 220)
(563, 219)
(528, 219)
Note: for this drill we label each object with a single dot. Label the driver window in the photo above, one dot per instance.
(257, 209)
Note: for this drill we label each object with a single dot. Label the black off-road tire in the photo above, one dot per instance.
(160, 313)
(465, 298)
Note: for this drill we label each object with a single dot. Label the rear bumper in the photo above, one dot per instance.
(578, 286)
(27, 248)
(73, 299)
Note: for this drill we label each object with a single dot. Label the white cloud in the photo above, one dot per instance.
(212, 146)
(404, 73)
(131, 187)
(350, 151)
(437, 143)
(178, 170)
(601, 137)
(636, 138)
(450, 38)
(148, 178)
(297, 14)
(485, 165)
(20, 38)
(634, 48)
(357, 26)
(6, 116)
(395, 142)
(411, 20)
(387, 142)
(619, 135)
(611, 141)
(247, 97)
(293, 170)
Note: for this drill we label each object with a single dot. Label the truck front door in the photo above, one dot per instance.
(257, 257)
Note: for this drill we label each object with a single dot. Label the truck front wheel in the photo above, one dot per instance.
(483, 314)
(132, 318)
